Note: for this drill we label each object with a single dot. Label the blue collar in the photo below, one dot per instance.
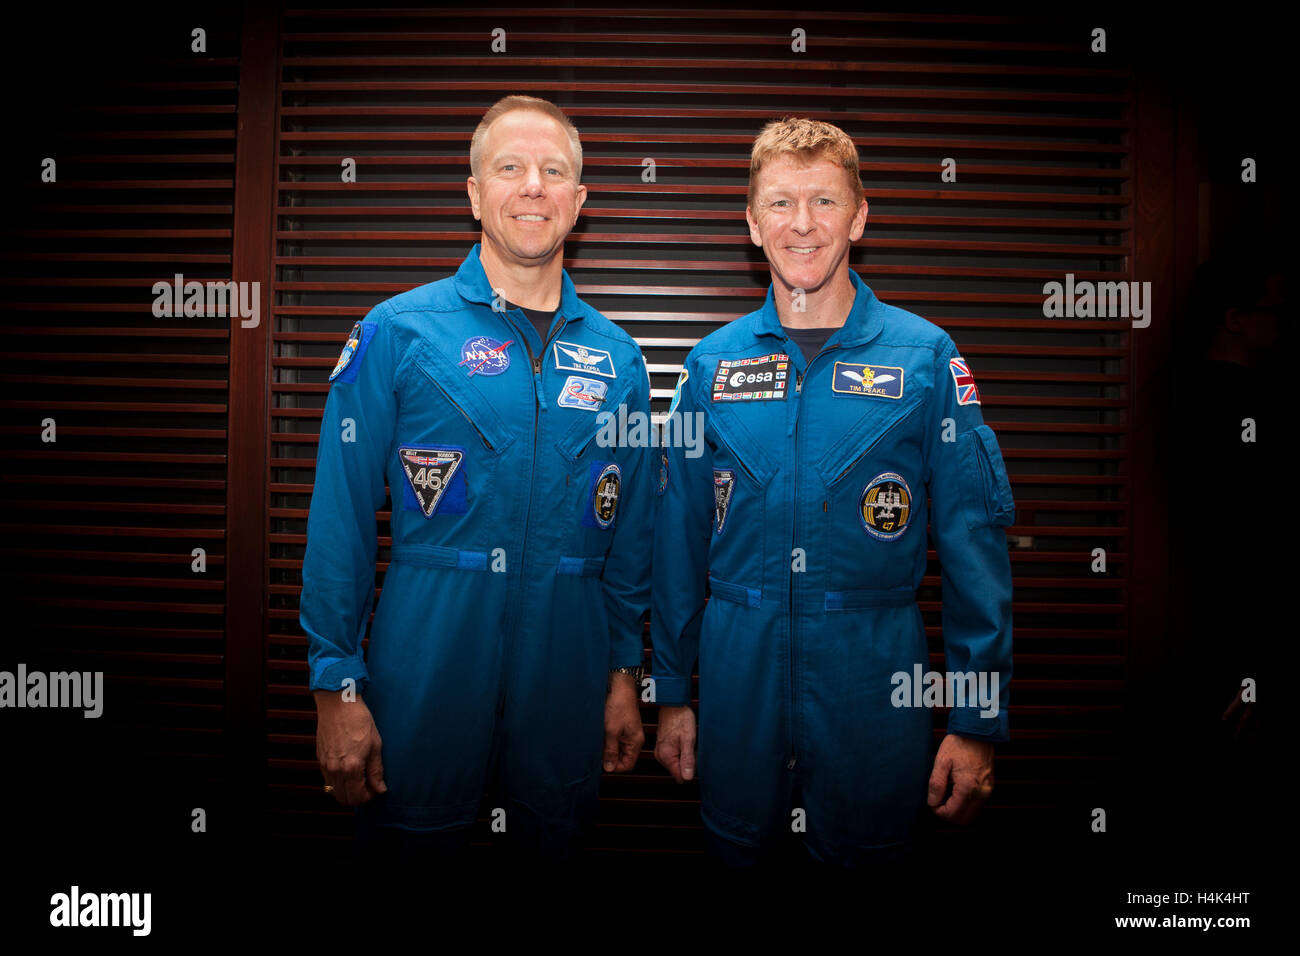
(472, 285)
(863, 324)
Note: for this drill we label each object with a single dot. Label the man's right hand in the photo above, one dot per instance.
(675, 742)
(348, 746)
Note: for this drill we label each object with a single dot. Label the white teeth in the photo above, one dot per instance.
(803, 251)
(531, 218)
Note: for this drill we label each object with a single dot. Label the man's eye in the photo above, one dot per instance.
(552, 169)
(780, 202)
(508, 166)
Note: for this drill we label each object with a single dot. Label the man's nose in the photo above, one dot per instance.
(804, 221)
(532, 182)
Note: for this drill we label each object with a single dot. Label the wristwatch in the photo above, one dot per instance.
(636, 674)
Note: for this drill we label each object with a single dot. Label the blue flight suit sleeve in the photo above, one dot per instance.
(972, 504)
(626, 578)
(682, 534)
(338, 567)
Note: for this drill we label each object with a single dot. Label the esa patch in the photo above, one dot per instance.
(580, 358)
(606, 485)
(879, 381)
(724, 480)
(584, 393)
(484, 355)
(349, 363)
(964, 382)
(885, 506)
(757, 379)
(677, 392)
(431, 474)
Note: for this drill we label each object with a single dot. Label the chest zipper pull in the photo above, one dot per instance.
(798, 382)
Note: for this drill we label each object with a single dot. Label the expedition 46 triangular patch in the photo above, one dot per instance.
(429, 472)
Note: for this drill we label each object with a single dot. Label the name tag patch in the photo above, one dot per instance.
(433, 477)
(758, 379)
(580, 358)
(584, 393)
(879, 381)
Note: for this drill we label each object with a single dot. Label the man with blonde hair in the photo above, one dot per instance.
(829, 416)
(507, 644)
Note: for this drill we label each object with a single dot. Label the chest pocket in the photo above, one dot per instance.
(877, 429)
(741, 447)
(435, 369)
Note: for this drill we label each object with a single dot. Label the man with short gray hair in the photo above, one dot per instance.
(507, 646)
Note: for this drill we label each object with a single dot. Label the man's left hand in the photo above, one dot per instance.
(968, 764)
(623, 733)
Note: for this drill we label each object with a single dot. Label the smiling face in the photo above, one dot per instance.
(804, 218)
(527, 195)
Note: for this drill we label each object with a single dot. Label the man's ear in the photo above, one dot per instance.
(859, 223)
(471, 187)
(754, 235)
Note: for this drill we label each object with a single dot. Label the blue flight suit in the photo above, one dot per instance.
(520, 549)
(804, 524)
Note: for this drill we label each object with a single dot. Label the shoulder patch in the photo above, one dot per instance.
(677, 392)
(349, 363)
(964, 382)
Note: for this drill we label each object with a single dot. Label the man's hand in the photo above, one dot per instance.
(347, 746)
(969, 765)
(623, 734)
(675, 742)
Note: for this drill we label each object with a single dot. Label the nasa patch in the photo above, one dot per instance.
(724, 480)
(580, 358)
(879, 381)
(584, 393)
(484, 355)
(758, 379)
(349, 363)
(964, 382)
(886, 506)
(430, 472)
(606, 485)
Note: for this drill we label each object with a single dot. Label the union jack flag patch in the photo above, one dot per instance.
(964, 382)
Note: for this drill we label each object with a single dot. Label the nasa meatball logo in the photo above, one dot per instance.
(885, 506)
(484, 355)
(604, 497)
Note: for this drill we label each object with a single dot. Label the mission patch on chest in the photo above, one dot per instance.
(757, 379)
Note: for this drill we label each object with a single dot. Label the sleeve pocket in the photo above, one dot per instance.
(988, 490)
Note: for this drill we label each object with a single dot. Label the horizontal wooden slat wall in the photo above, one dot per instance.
(113, 447)
(1039, 129)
